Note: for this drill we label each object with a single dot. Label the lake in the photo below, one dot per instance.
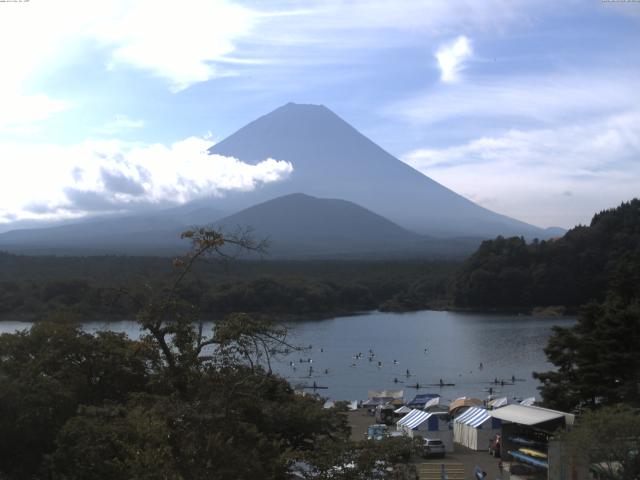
(432, 345)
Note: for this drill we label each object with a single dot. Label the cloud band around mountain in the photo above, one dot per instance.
(107, 176)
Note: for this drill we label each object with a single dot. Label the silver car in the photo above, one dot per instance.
(432, 448)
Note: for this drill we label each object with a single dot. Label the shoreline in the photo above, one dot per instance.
(292, 318)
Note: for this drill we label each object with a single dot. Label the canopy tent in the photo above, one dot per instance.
(499, 402)
(418, 423)
(386, 393)
(475, 428)
(525, 415)
(375, 401)
(462, 403)
(382, 397)
(528, 402)
(434, 402)
(420, 400)
(402, 410)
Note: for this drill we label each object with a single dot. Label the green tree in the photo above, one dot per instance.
(597, 360)
(46, 373)
(608, 440)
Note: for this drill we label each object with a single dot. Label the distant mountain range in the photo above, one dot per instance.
(345, 197)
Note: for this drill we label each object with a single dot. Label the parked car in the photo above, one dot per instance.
(377, 432)
(432, 448)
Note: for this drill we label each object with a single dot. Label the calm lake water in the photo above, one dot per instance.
(431, 345)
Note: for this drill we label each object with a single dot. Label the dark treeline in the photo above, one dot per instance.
(597, 360)
(35, 287)
(570, 271)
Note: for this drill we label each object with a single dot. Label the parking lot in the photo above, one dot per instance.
(360, 420)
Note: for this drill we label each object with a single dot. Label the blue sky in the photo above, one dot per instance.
(529, 108)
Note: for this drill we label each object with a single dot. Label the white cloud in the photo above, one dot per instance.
(451, 57)
(195, 40)
(21, 112)
(543, 98)
(178, 41)
(53, 181)
(120, 123)
(527, 174)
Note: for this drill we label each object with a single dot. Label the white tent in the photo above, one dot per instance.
(499, 402)
(434, 402)
(474, 428)
(402, 410)
(418, 423)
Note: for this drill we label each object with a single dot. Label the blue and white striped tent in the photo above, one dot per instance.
(416, 418)
(474, 428)
(424, 424)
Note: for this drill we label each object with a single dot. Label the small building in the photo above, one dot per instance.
(526, 435)
(418, 423)
(475, 428)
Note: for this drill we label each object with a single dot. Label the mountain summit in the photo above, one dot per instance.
(331, 159)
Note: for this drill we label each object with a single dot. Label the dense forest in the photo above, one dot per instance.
(569, 271)
(33, 287)
(81, 406)
(597, 361)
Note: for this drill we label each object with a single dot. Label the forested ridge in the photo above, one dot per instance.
(35, 287)
(597, 360)
(571, 271)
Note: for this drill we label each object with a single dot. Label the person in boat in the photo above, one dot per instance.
(513, 378)
(395, 380)
(417, 385)
(490, 390)
(502, 383)
(495, 381)
(315, 385)
(441, 383)
(326, 371)
(379, 364)
(408, 374)
(480, 366)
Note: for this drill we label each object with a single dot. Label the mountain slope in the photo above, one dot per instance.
(299, 225)
(331, 159)
(155, 232)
